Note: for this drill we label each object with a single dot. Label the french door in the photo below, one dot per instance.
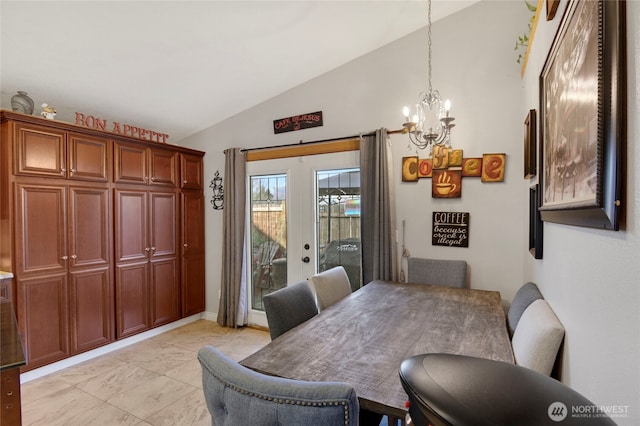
(303, 217)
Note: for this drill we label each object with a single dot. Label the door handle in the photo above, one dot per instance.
(306, 259)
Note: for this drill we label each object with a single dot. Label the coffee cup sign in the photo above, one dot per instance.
(450, 229)
(446, 184)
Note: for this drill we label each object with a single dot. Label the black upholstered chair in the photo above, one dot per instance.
(447, 389)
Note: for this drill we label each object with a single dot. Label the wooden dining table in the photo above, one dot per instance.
(362, 339)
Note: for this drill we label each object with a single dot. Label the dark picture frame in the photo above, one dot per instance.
(552, 7)
(530, 144)
(535, 224)
(582, 123)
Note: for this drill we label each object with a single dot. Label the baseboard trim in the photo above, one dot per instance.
(118, 344)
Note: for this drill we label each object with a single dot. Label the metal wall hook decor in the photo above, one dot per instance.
(218, 192)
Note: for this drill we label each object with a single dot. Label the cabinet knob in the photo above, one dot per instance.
(153, 179)
(65, 257)
(147, 249)
(73, 256)
(186, 245)
(153, 249)
(185, 181)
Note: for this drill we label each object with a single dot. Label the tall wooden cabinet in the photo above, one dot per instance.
(147, 265)
(104, 234)
(192, 246)
(64, 289)
(192, 234)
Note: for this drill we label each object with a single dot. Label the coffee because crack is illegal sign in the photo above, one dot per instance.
(450, 229)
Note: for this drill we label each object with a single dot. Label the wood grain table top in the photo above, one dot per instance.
(362, 339)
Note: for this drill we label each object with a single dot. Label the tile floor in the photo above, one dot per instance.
(154, 382)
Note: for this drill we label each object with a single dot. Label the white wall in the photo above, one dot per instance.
(478, 72)
(589, 277)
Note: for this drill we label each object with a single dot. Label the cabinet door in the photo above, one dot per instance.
(91, 314)
(192, 239)
(190, 171)
(132, 298)
(41, 229)
(39, 151)
(43, 318)
(131, 226)
(130, 163)
(162, 165)
(89, 226)
(163, 224)
(89, 158)
(165, 293)
(165, 305)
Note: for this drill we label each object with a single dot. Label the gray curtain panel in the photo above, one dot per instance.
(233, 228)
(377, 203)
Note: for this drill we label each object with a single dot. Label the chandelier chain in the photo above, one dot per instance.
(429, 43)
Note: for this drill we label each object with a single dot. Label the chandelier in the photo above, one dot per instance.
(431, 122)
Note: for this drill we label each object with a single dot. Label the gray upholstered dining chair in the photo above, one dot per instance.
(289, 307)
(450, 273)
(525, 295)
(236, 395)
(330, 286)
(537, 338)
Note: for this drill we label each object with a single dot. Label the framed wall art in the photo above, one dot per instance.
(582, 123)
(552, 7)
(530, 144)
(535, 224)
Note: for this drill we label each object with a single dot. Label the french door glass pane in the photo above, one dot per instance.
(338, 225)
(268, 236)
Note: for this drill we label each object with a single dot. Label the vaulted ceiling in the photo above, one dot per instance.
(178, 67)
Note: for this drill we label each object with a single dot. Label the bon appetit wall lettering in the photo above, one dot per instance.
(122, 129)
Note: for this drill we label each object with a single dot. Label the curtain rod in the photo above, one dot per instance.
(389, 132)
